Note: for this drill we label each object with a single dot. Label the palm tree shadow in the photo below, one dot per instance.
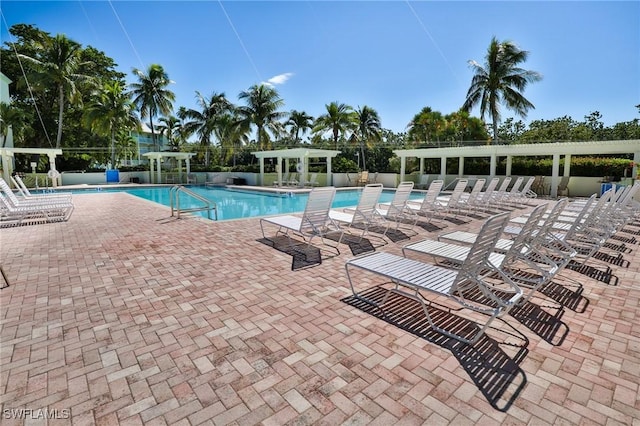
(492, 364)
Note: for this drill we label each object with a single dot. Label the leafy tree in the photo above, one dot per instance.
(426, 126)
(500, 80)
(339, 119)
(261, 110)
(111, 111)
(14, 118)
(511, 130)
(151, 95)
(460, 126)
(56, 65)
(299, 122)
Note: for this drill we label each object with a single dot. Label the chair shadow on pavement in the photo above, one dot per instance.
(303, 255)
(496, 373)
(306, 256)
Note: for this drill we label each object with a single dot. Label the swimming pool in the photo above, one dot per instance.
(233, 204)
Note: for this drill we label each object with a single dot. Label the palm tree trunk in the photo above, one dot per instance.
(60, 114)
(364, 163)
(113, 148)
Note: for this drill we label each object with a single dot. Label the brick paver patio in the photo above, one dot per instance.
(123, 315)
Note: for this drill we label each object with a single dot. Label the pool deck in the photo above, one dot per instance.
(126, 315)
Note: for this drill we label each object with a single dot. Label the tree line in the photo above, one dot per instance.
(76, 90)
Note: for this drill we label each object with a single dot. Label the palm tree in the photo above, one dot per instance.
(57, 63)
(203, 122)
(500, 80)
(338, 119)
(261, 110)
(231, 136)
(299, 122)
(368, 130)
(151, 95)
(171, 129)
(110, 111)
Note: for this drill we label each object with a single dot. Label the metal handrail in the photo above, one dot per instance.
(174, 200)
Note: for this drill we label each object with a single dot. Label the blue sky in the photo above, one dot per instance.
(394, 56)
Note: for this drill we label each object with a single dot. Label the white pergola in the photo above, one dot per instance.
(158, 157)
(301, 154)
(7, 164)
(556, 150)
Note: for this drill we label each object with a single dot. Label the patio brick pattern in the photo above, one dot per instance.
(125, 315)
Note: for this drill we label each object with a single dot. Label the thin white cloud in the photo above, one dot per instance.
(279, 79)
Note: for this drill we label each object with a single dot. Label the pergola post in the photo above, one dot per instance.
(329, 173)
(443, 167)
(567, 165)
(7, 167)
(555, 171)
(158, 170)
(509, 164)
(151, 170)
(460, 166)
(261, 171)
(279, 169)
(492, 165)
(180, 170)
(403, 168)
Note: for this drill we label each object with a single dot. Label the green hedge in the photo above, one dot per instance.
(531, 166)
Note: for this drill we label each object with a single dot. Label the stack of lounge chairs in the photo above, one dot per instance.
(28, 209)
(503, 265)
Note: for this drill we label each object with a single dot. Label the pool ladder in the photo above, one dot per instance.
(174, 197)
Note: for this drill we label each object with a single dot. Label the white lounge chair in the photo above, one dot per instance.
(365, 215)
(411, 277)
(313, 180)
(26, 193)
(452, 202)
(34, 201)
(314, 222)
(520, 259)
(429, 207)
(283, 182)
(423, 182)
(12, 215)
(397, 211)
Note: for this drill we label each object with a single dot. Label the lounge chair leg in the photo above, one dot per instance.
(4, 278)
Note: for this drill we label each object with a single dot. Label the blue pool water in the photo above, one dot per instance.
(244, 204)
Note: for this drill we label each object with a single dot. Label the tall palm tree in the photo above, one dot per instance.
(57, 62)
(368, 130)
(203, 121)
(338, 119)
(152, 96)
(500, 80)
(110, 111)
(299, 122)
(261, 110)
